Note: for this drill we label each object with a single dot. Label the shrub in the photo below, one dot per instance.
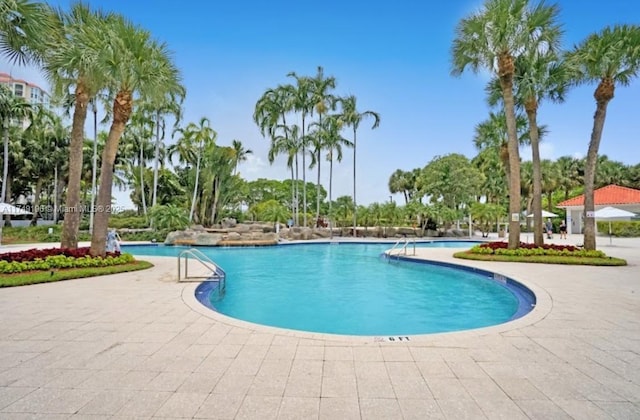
(621, 229)
(527, 250)
(62, 261)
(33, 254)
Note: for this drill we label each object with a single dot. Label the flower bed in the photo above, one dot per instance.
(56, 258)
(501, 248)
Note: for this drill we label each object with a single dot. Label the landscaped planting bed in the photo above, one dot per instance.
(57, 258)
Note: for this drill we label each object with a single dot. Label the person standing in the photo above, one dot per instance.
(563, 230)
(549, 228)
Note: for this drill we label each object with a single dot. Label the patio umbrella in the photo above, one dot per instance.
(6, 208)
(545, 214)
(612, 213)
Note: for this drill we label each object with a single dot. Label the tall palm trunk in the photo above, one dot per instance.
(9, 181)
(122, 106)
(506, 71)
(55, 195)
(72, 211)
(293, 195)
(36, 202)
(143, 199)
(330, 186)
(156, 158)
(94, 164)
(603, 94)
(355, 205)
(297, 200)
(318, 160)
(318, 189)
(5, 162)
(304, 175)
(195, 188)
(531, 108)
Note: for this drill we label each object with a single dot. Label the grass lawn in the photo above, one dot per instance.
(543, 259)
(33, 277)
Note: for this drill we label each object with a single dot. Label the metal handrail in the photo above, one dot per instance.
(216, 271)
(402, 249)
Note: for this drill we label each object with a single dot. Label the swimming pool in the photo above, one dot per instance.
(349, 289)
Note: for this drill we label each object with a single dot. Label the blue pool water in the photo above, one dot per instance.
(350, 289)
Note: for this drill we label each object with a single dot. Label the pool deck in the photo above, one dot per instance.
(138, 345)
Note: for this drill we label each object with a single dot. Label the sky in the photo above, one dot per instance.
(394, 56)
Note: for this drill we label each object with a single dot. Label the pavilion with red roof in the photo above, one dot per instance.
(611, 195)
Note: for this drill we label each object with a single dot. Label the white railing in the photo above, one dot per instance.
(400, 248)
(214, 273)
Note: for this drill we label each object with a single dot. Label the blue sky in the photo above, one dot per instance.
(394, 56)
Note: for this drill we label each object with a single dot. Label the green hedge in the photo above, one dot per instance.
(621, 229)
(33, 234)
(61, 261)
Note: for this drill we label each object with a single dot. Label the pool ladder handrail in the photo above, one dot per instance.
(217, 273)
(401, 248)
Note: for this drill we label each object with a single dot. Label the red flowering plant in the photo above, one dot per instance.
(33, 254)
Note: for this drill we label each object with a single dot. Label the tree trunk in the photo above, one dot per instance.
(297, 199)
(122, 106)
(214, 199)
(304, 175)
(603, 94)
(532, 108)
(9, 181)
(36, 202)
(293, 195)
(506, 68)
(72, 210)
(143, 199)
(94, 166)
(195, 188)
(5, 165)
(330, 186)
(355, 205)
(156, 158)
(318, 190)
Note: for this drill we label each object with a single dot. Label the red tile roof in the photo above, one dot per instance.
(609, 195)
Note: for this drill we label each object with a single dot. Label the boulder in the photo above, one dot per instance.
(181, 237)
(320, 234)
(228, 222)
(208, 239)
(233, 236)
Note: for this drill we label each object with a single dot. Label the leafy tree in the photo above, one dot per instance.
(169, 217)
(450, 180)
(486, 215)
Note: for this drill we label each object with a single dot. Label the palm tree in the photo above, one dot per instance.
(195, 139)
(333, 141)
(288, 144)
(301, 101)
(25, 28)
(610, 57)
(322, 101)
(539, 75)
(75, 63)
(492, 39)
(272, 106)
(492, 134)
(352, 117)
(240, 154)
(570, 174)
(399, 183)
(11, 108)
(134, 62)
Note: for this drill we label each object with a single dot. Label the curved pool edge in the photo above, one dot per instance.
(542, 308)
